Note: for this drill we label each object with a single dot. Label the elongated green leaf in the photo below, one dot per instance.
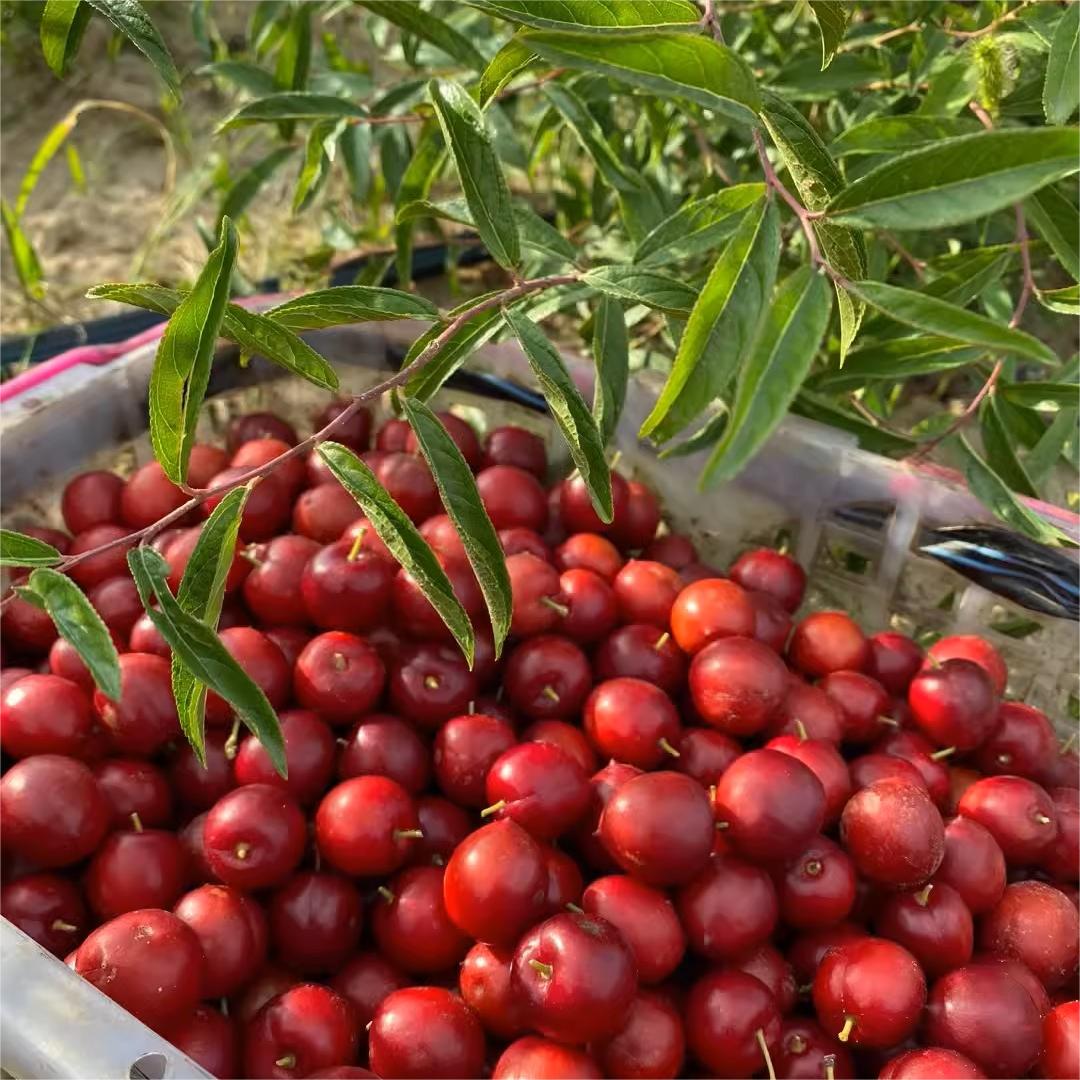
(344, 304)
(611, 358)
(462, 502)
(642, 286)
(768, 382)
(199, 649)
(993, 492)
(819, 407)
(239, 194)
(601, 16)
(512, 59)
(246, 76)
(132, 20)
(832, 19)
(721, 327)
(958, 180)
(478, 169)
(709, 434)
(817, 178)
(968, 273)
(1042, 394)
(424, 166)
(80, 625)
(19, 550)
(678, 65)
(698, 225)
(1057, 220)
(23, 254)
(568, 408)
(356, 154)
(143, 294)
(888, 134)
(1061, 90)
(182, 366)
(898, 359)
(201, 593)
(428, 26)
(291, 106)
(1048, 451)
(934, 316)
(293, 58)
(319, 155)
(999, 446)
(400, 535)
(1065, 301)
(61, 31)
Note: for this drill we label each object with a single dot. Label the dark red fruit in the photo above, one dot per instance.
(272, 590)
(828, 641)
(824, 761)
(809, 706)
(309, 756)
(146, 868)
(392, 436)
(44, 714)
(267, 508)
(145, 637)
(977, 650)
(894, 661)
(148, 496)
(870, 768)
(513, 498)
(515, 541)
(367, 826)
(259, 425)
(1062, 858)
(672, 549)
(26, 627)
(565, 882)
(178, 555)
(429, 683)
(484, 984)
(339, 676)
(364, 981)
(772, 624)
(633, 721)
(290, 640)
(354, 432)
(933, 924)
(90, 571)
(1022, 743)
(737, 685)
(637, 524)
(323, 513)
(931, 1063)
(817, 887)
(591, 610)
(547, 677)
(576, 508)
(730, 1019)
(540, 787)
(1018, 814)
(642, 652)
(768, 571)
(47, 908)
(705, 754)
(769, 967)
(444, 826)
(510, 445)
(535, 589)
(410, 484)
(257, 452)
(315, 922)
(588, 551)
(231, 929)
(411, 926)
(204, 463)
(264, 664)
(954, 704)
(210, 1039)
(973, 864)
(808, 950)
(862, 702)
(802, 1051)
(533, 1058)
(650, 1043)
(91, 498)
(566, 737)
(144, 719)
(199, 786)
(464, 751)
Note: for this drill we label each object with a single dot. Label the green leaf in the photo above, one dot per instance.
(993, 492)
(356, 154)
(1065, 301)
(817, 178)
(611, 358)
(345, 304)
(968, 273)
(1057, 220)
(23, 254)
(934, 316)
(721, 327)
(871, 437)
(678, 65)
(599, 16)
(291, 106)
(890, 134)
(42, 156)
(512, 59)
(898, 359)
(131, 19)
(1048, 451)
(201, 593)
(461, 499)
(958, 180)
(294, 58)
(319, 155)
(698, 225)
(1038, 395)
(832, 19)
(568, 409)
(709, 434)
(198, 647)
(80, 625)
(424, 166)
(185, 353)
(239, 194)
(245, 76)
(400, 535)
(999, 447)
(75, 168)
(429, 27)
(62, 25)
(768, 382)
(1061, 91)
(19, 550)
(642, 286)
(478, 169)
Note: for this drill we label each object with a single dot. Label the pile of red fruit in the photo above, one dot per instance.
(670, 833)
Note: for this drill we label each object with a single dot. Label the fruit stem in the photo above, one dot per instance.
(232, 743)
(667, 747)
(136, 822)
(386, 894)
(223, 1005)
(494, 808)
(286, 1062)
(66, 927)
(1042, 819)
(339, 662)
(795, 1044)
(760, 1036)
(545, 971)
(431, 682)
(242, 850)
(1068, 744)
(939, 755)
(408, 834)
(922, 897)
(549, 693)
(560, 609)
(569, 907)
(662, 640)
(845, 1031)
(888, 720)
(813, 867)
(357, 544)
(800, 730)
(829, 1061)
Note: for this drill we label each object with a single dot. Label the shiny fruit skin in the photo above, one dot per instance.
(724, 1011)
(738, 685)
(1018, 814)
(651, 1044)
(935, 926)
(232, 931)
(484, 984)
(954, 704)
(48, 908)
(931, 1063)
(315, 922)
(1061, 1042)
(828, 641)
(534, 1058)
(817, 886)
(973, 865)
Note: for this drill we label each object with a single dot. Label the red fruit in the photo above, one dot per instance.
(767, 571)
(47, 908)
(362, 529)
(26, 627)
(650, 1043)
(146, 868)
(817, 887)
(646, 919)
(410, 484)
(933, 924)
(803, 1048)
(39, 826)
(659, 828)
(254, 837)
(309, 757)
(462, 434)
(191, 837)
(366, 826)
(870, 768)
(809, 949)
(90, 571)
(870, 992)
(576, 508)
(364, 981)
(587, 836)
(386, 746)
(576, 977)
(1022, 744)
(975, 649)
(708, 610)
(178, 554)
(540, 787)
(304, 1029)
(633, 721)
(199, 786)
(144, 719)
(465, 748)
(267, 508)
(148, 496)
(257, 452)
(496, 883)
(315, 922)
(954, 704)
(547, 677)
(441, 535)
(392, 436)
(91, 498)
(1062, 858)
(259, 425)
(510, 445)
(231, 929)
(354, 432)
(323, 513)
(1018, 814)
(982, 1012)
(772, 624)
(565, 882)
(44, 714)
(267, 984)
(566, 737)
(828, 641)
(737, 685)
(645, 592)
(411, 926)
(1061, 1041)
(730, 1019)
(429, 683)
(209, 1039)
(809, 706)
(824, 761)
(588, 551)
(862, 702)
(272, 590)
(672, 549)
(973, 865)
(513, 498)
(347, 588)
(643, 652)
(339, 676)
(637, 524)
(705, 754)
(728, 909)
(515, 541)
(116, 600)
(1037, 925)
(533, 1058)
(769, 967)
(1064, 770)
(894, 661)
(290, 640)
(444, 826)
(591, 610)
(931, 1063)
(484, 983)
(264, 664)
(535, 588)
(893, 834)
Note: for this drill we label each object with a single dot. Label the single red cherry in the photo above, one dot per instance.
(708, 610)
(513, 498)
(290, 640)
(262, 661)
(705, 754)
(144, 868)
(178, 555)
(259, 425)
(144, 719)
(510, 445)
(48, 908)
(323, 513)
(589, 551)
(641, 652)
(737, 685)
(591, 608)
(768, 965)
(954, 704)
(145, 637)
(803, 1049)
(256, 452)
(894, 661)
(808, 949)
(430, 682)
(772, 623)
(824, 761)
(1018, 814)
(116, 600)
(484, 984)
(565, 883)
(444, 825)
(540, 787)
(809, 706)
(828, 641)
(515, 541)
(862, 702)
(1061, 1041)
(590, 847)
(637, 524)
(148, 496)
(645, 592)
(870, 768)
(392, 436)
(410, 484)
(933, 924)
(732, 1023)
(931, 1063)
(210, 1039)
(199, 786)
(817, 886)
(547, 677)
(315, 922)
(26, 627)
(269, 982)
(339, 676)
(345, 587)
(232, 931)
(772, 572)
(383, 745)
(1023, 743)
(309, 757)
(364, 981)
(566, 737)
(353, 432)
(411, 926)
(272, 590)
(973, 864)
(267, 509)
(632, 720)
(651, 1043)
(672, 549)
(94, 569)
(535, 589)
(367, 826)
(44, 714)
(975, 649)
(533, 1058)
(91, 498)
(1062, 858)
(577, 510)
(465, 748)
